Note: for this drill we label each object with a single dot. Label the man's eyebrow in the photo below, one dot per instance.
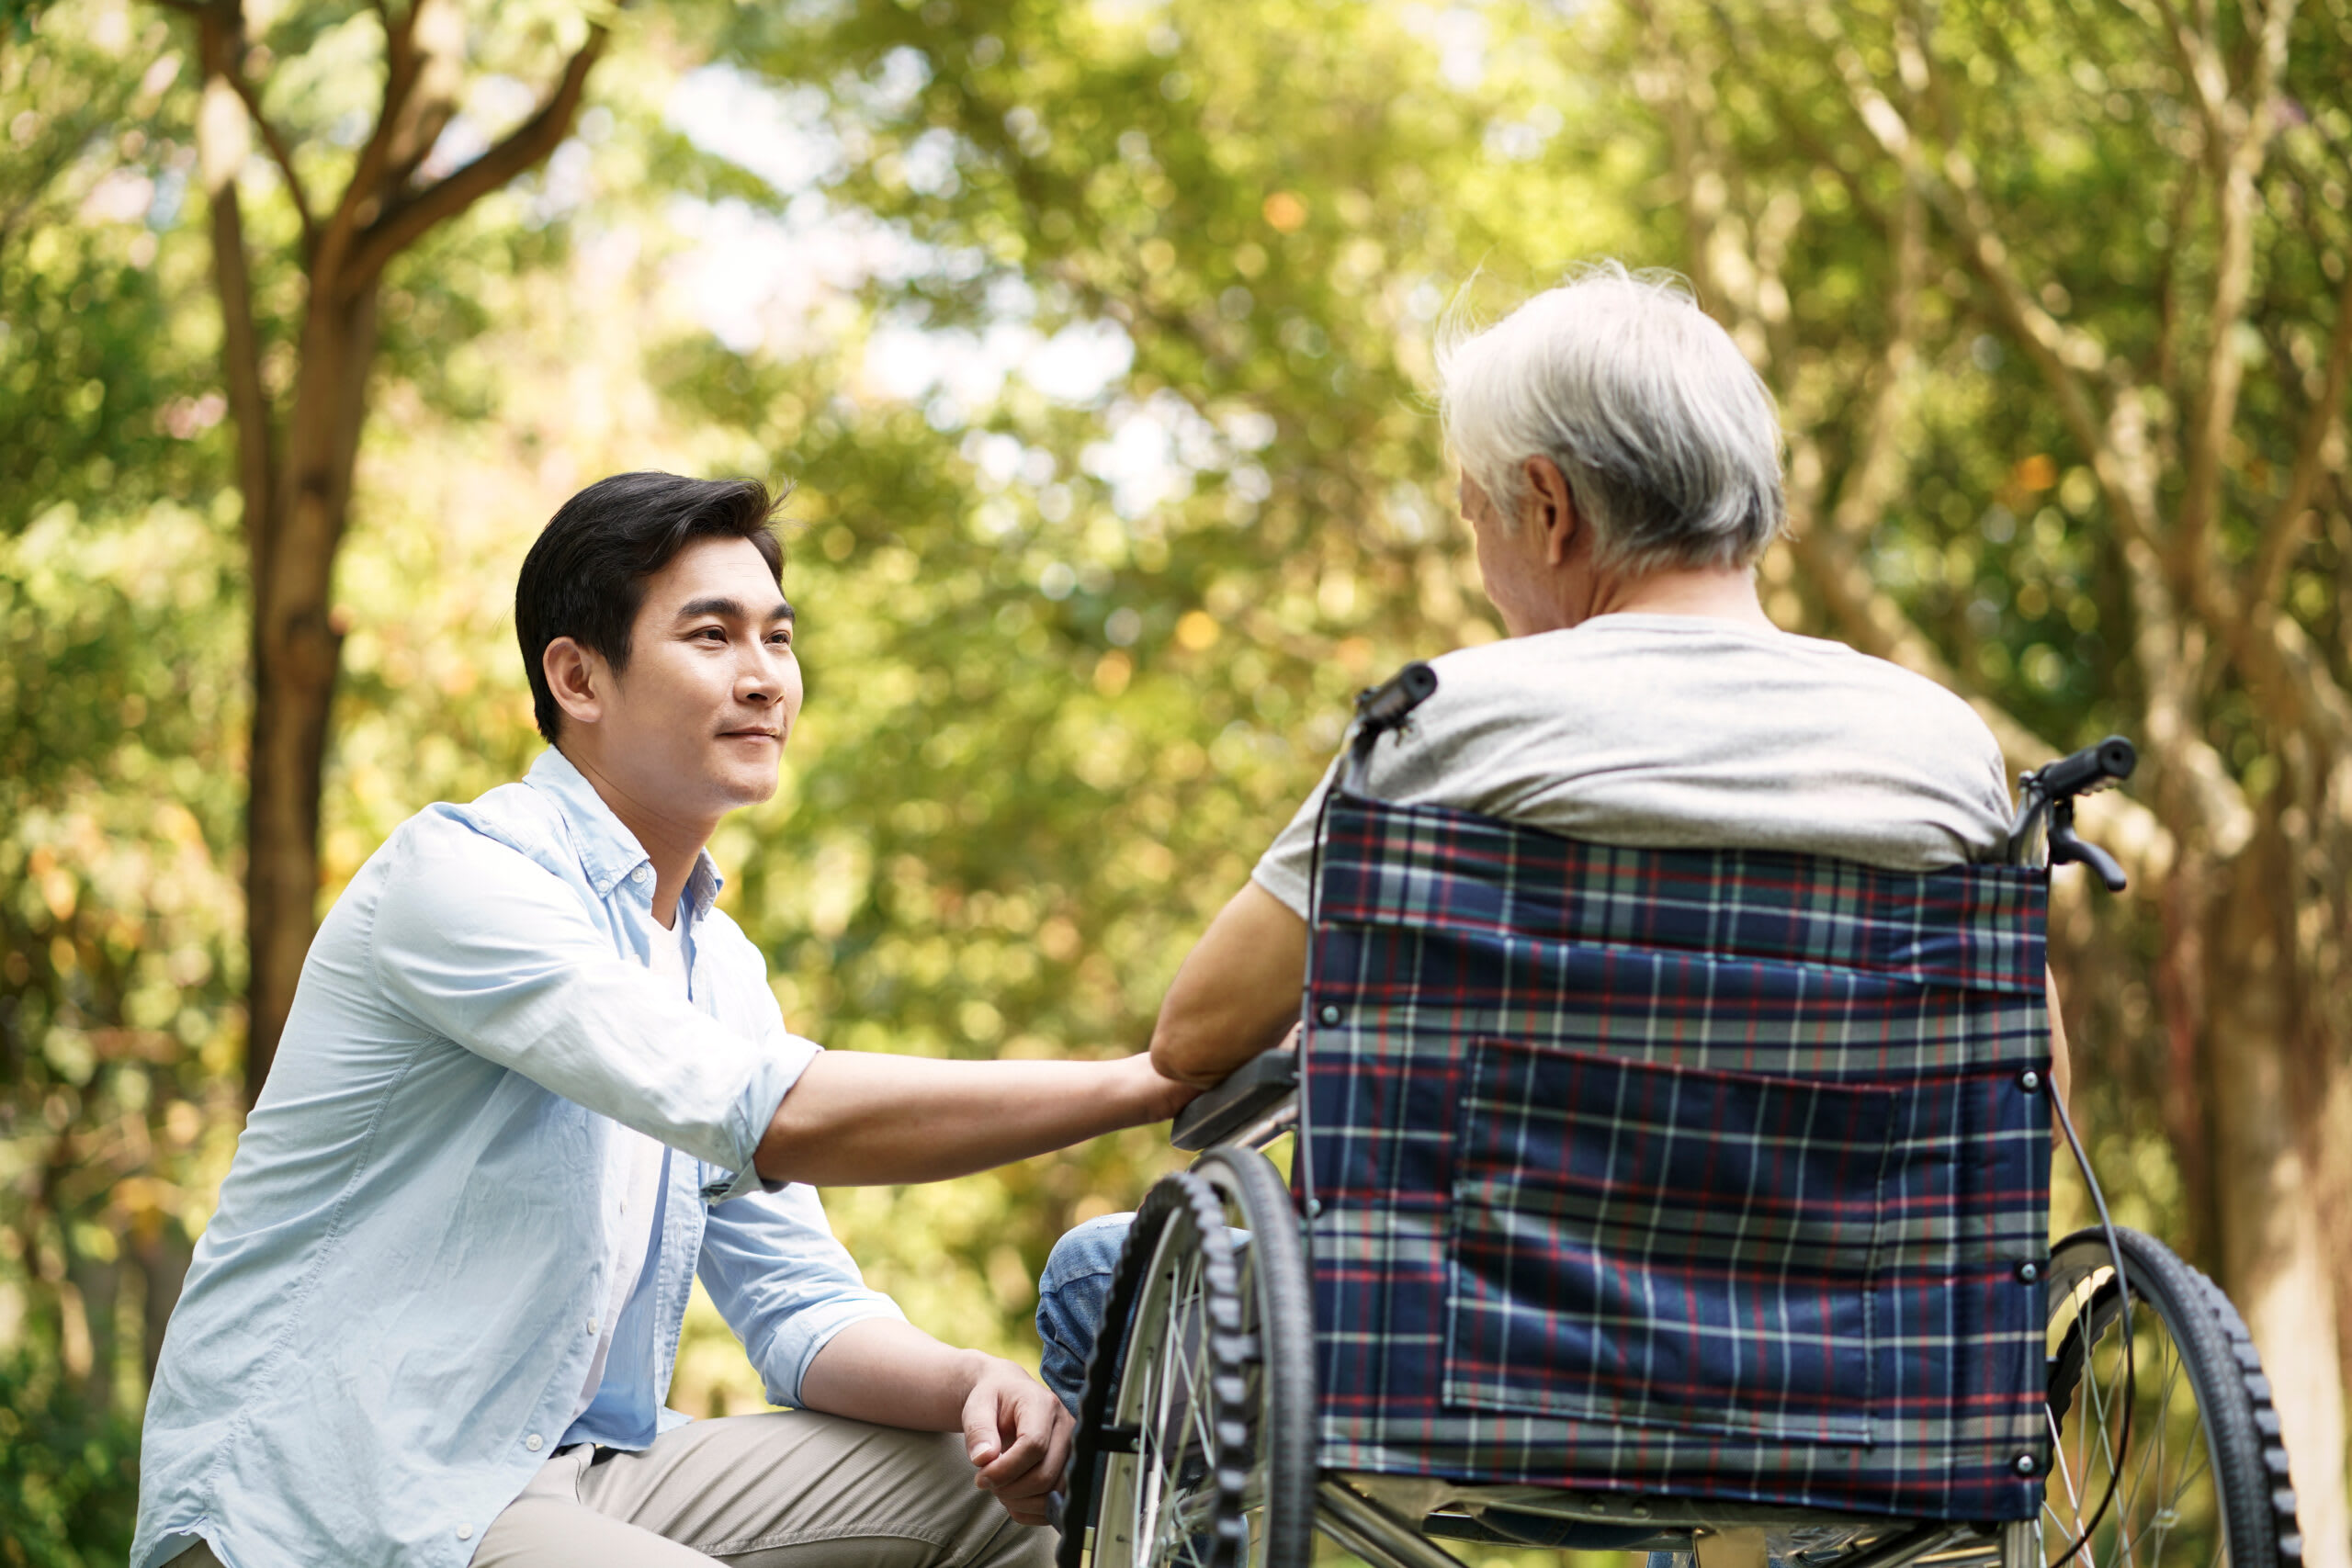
(732, 609)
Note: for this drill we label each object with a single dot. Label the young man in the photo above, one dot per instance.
(533, 1084)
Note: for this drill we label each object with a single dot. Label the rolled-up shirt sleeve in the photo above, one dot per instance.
(784, 1284)
(481, 944)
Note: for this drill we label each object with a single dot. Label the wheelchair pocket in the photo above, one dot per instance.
(1665, 1247)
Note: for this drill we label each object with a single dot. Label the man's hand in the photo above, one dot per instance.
(1018, 1437)
(1163, 1095)
(1016, 1434)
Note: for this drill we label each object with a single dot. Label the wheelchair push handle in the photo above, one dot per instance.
(1379, 710)
(2088, 771)
(1389, 705)
(2046, 799)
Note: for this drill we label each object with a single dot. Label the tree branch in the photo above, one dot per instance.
(2282, 535)
(220, 41)
(359, 203)
(2166, 369)
(280, 152)
(2238, 145)
(1879, 469)
(2059, 356)
(409, 220)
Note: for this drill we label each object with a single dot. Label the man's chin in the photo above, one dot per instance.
(741, 786)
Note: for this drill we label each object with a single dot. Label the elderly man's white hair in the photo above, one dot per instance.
(1666, 434)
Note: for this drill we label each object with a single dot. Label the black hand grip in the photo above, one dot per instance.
(2093, 767)
(1385, 706)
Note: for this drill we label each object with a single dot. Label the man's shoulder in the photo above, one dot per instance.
(1662, 657)
(457, 851)
(514, 816)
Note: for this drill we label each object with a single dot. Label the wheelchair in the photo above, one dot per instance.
(1694, 1202)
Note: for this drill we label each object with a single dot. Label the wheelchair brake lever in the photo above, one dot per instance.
(2067, 847)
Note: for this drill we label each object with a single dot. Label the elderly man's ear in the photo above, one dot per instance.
(1547, 506)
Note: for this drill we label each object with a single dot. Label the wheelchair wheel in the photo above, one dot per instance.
(1203, 1410)
(2204, 1478)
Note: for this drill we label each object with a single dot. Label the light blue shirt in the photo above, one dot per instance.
(389, 1322)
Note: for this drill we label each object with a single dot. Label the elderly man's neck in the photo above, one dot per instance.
(1712, 594)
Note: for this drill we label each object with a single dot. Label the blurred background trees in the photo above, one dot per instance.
(1097, 338)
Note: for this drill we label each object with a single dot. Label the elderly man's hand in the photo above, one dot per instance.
(1018, 1437)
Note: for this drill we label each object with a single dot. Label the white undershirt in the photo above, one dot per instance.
(633, 1174)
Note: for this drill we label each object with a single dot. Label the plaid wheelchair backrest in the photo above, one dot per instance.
(1703, 1174)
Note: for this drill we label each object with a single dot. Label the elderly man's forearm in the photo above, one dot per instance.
(855, 1120)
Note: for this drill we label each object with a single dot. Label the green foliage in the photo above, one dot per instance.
(68, 1473)
(1075, 647)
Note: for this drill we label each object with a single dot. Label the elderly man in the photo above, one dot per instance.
(1621, 475)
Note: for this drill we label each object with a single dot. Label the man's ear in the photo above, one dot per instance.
(577, 677)
(1547, 505)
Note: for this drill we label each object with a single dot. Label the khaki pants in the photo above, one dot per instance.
(787, 1489)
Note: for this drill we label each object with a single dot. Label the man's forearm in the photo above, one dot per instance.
(892, 1374)
(857, 1120)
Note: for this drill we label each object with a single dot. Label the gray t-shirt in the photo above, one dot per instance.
(1688, 732)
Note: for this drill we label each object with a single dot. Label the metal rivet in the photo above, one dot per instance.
(1328, 1014)
(2028, 1273)
(2028, 1080)
(2025, 1464)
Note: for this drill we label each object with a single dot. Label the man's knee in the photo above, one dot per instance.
(1088, 1249)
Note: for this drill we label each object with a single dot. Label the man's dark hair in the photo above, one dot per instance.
(585, 576)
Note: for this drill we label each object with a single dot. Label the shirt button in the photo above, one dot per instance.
(465, 1532)
(592, 1326)
(534, 1443)
(640, 873)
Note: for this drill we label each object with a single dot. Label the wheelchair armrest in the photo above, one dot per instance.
(1254, 1093)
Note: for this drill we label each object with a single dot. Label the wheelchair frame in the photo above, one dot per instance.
(1236, 1385)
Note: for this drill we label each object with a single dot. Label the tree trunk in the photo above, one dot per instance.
(296, 506)
(297, 655)
(2273, 1251)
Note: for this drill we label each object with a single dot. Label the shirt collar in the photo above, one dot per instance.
(608, 850)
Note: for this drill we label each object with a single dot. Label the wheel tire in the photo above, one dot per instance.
(1278, 1318)
(1200, 1394)
(2204, 1480)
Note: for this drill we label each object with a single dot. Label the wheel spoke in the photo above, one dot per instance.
(2071, 1522)
(2153, 1442)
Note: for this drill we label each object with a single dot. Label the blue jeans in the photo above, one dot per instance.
(1070, 1295)
(1069, 1301)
